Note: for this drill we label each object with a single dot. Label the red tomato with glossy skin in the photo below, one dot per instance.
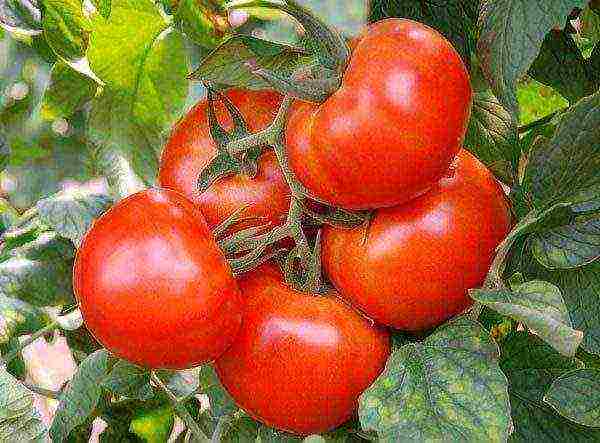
(412, 267)
(191, 148)
(392, 129)
(300, 361)
(153, 286)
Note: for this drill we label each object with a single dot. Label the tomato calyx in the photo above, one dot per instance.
(226, 163)
(313, 82)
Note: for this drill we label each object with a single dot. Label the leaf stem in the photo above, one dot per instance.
(181, 411)
(29, 340)
(55, 395)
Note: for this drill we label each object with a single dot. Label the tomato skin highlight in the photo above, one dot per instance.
(392, 129)
(300, 361)
(411, 269)
(153, 286)
(190, 149)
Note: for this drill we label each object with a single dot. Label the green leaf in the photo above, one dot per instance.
(511, 35)
(192, 19)
(181, 383)
(81, 343)
(447, 388)
(576, 395)
(8, 216)
(71, 213)
(65, 27)
(80, 397)
(565, 168)
(570, 246)
(21, 15)
(540, 306)
(142, 61)
(270, 435)
(19, 420)
(128, 380)
(4, 153)
(492, 135)
(455, 19)
(67, 92)
(531, 366)
(39, 272)
(228, 65)
(580, 288)
(103, 7)
(19, 318)
(561, 65)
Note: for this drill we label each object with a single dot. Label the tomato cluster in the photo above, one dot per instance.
(155, 288)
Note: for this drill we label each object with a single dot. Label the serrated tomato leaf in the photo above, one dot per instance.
(511, 35)
(71, 213)
(570, 246)
(540, 306)
(19, 419)
(232, 63)
(566, 168)
(576, 395)
(80, 397)
(449, 387)
(531, 366)
(128, 380)
(19, 318)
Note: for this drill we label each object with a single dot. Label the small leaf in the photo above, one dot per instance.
(71, 213)
(67, 92)
(39, 272)
(80, 397)
(540, 306)
(512, 32)
(19, 419)
(128, 380)
(19, 318)
(531, 366)
(449, 387)
(21, 15)
(65, 27)
(576, 395)
(153, 425)
(570, 246)
(566, 167)
(230, 64)
(561, 65)
(492, 135)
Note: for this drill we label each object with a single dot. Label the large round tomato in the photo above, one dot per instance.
(191, 148)
(153, 286)
(392, 129)
(412, 266)
(300, 361)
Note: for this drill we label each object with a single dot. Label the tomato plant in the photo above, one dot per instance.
(191, 148)
(412, 265)
(377, 141)
(153, 286)
(300, 361)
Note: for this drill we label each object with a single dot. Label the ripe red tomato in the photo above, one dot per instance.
(153, 286)
(191, 148)
(300, 361)
(392, 129)
(412, 267)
